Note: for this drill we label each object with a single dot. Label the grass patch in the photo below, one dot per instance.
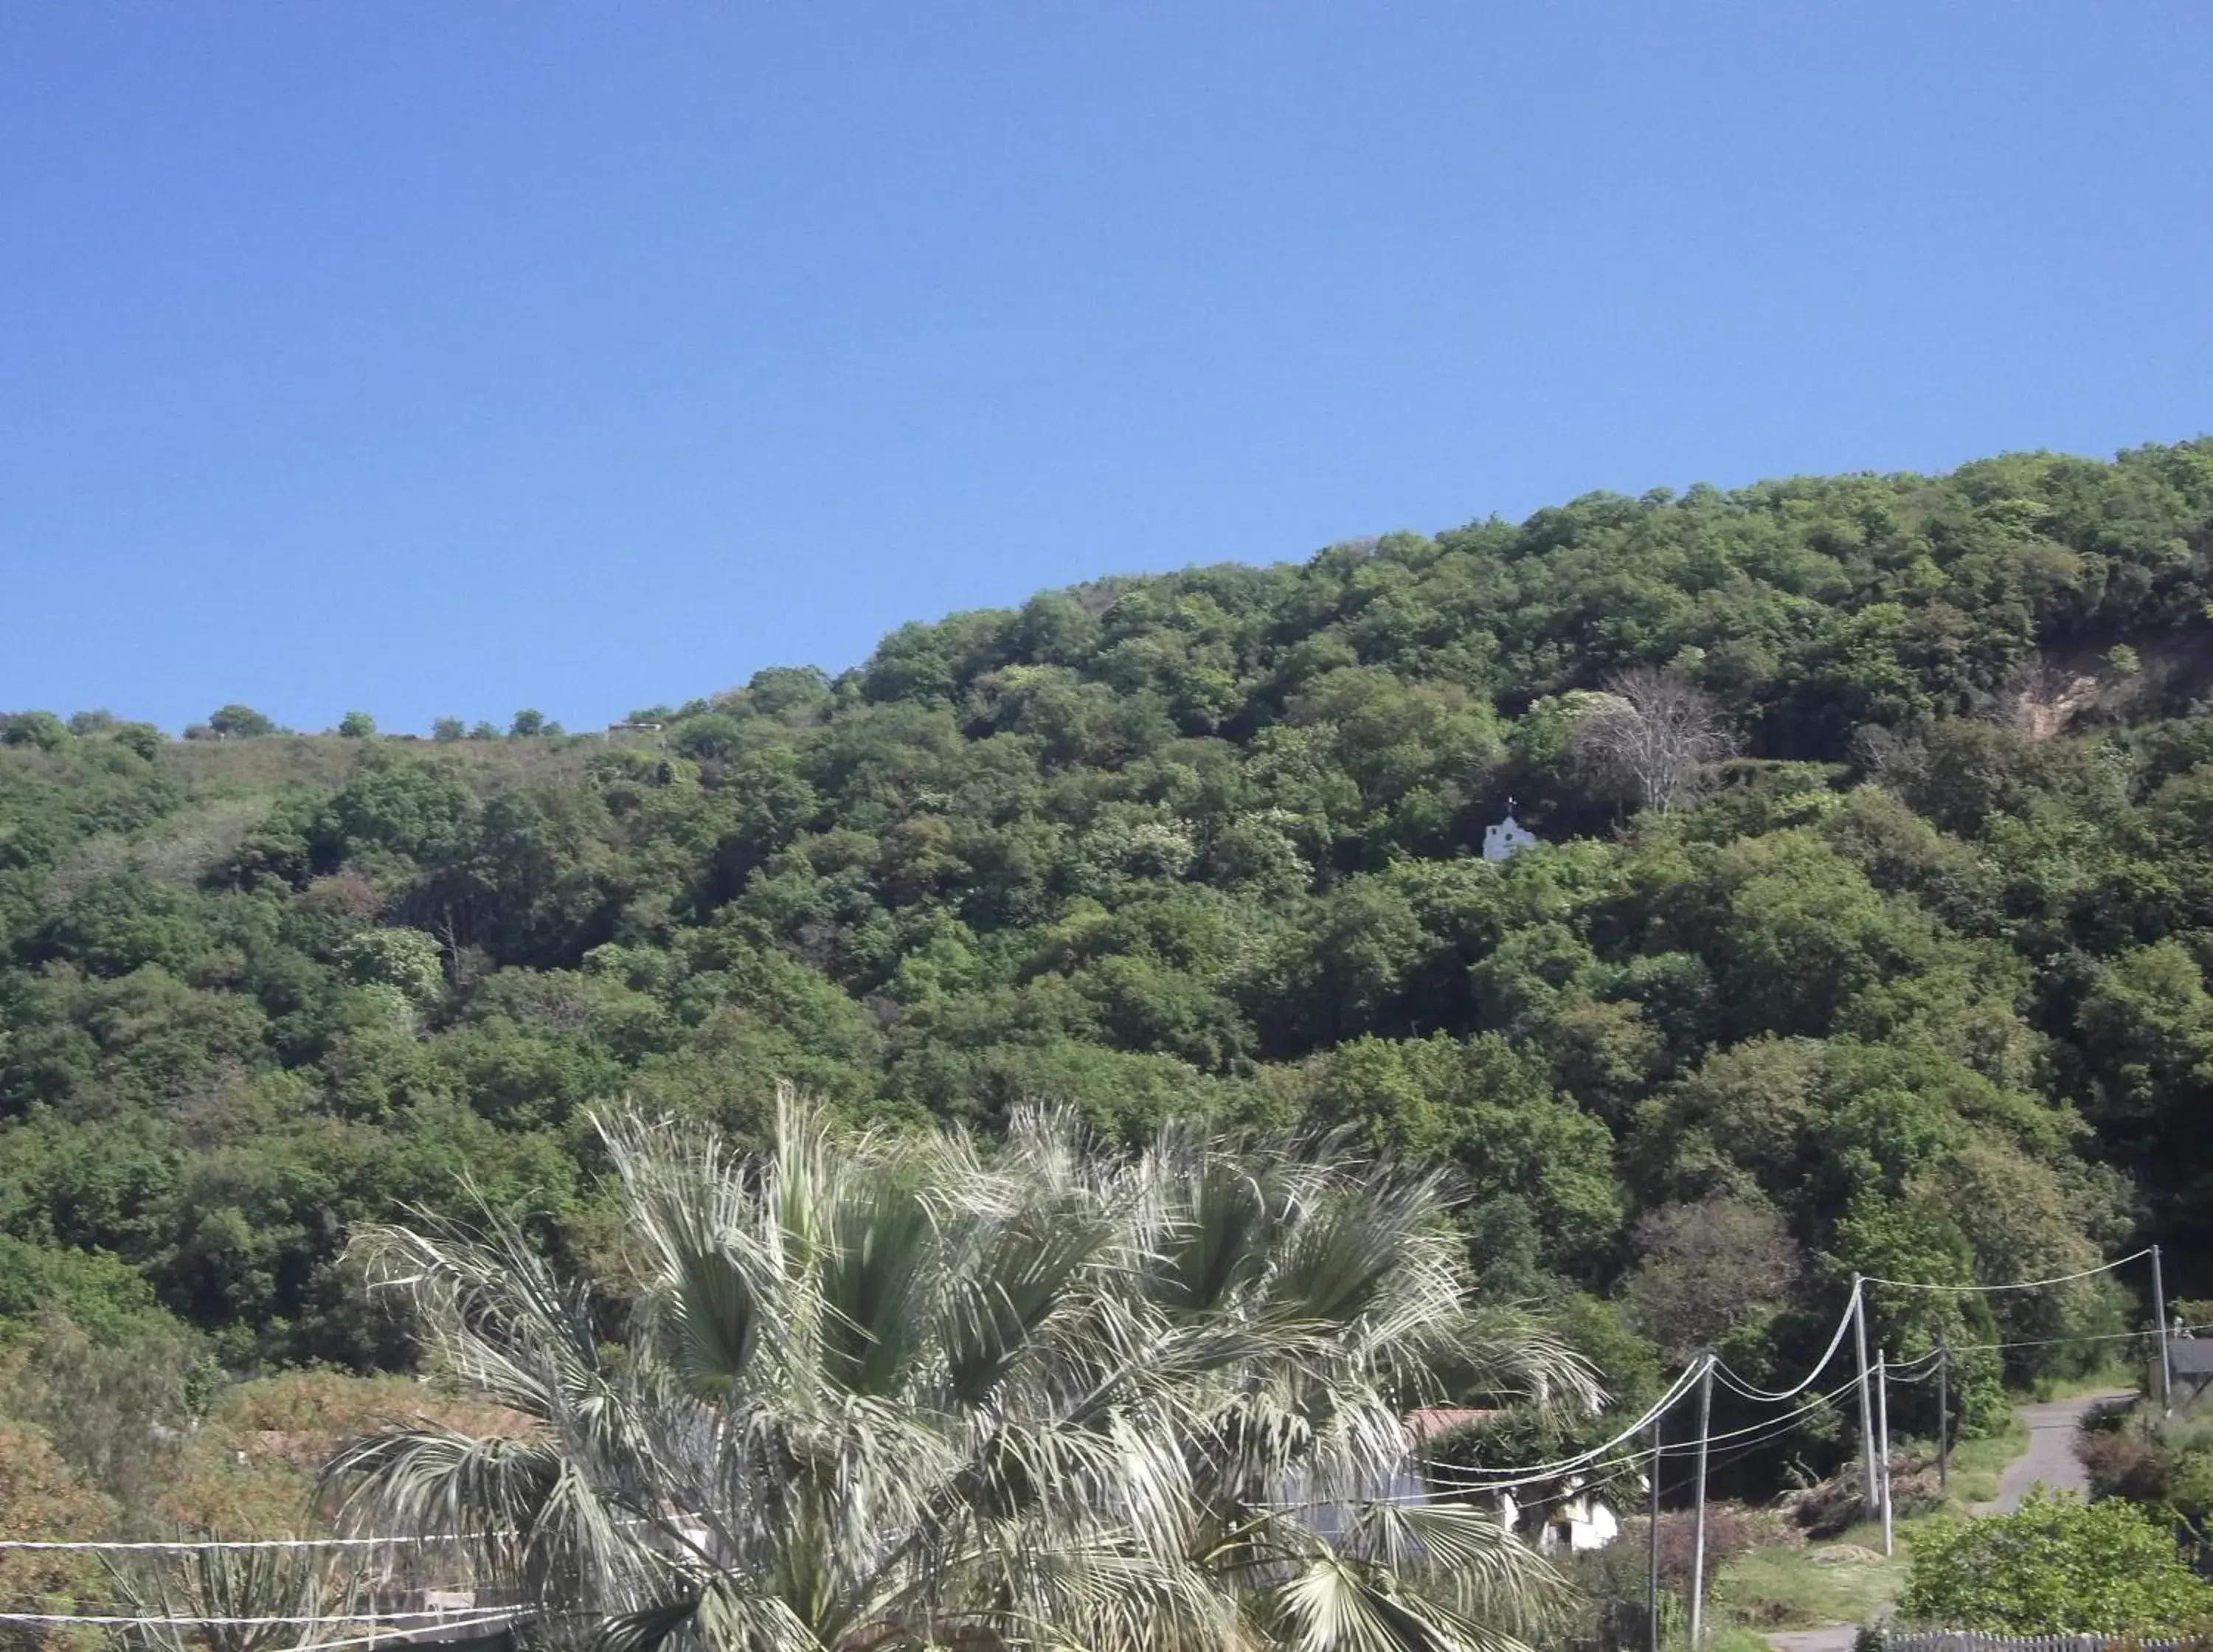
(1978, 1464)
(2111, 1378)
(1727, 1637)
(1800, 1588)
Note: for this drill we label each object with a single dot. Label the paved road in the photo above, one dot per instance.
(2050, 1458)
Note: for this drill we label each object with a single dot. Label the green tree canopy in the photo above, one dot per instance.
(2054, 1566)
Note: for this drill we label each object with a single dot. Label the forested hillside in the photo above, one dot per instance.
(1898, 966)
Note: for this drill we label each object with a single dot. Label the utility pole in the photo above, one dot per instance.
(1882, 1431)
(1652, 1548)
(1943, 1416)
(2159, 1328)
(1866, 1421)
(1698, 1531)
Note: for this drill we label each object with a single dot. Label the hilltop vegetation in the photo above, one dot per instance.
(1913, 983)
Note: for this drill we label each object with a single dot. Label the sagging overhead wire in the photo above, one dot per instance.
(1914, 1370)
(2058, 1341)
(1753, 1390)
(1753, 1434)
(2016, 1285)
(1627, 1460)
(1680, 1386)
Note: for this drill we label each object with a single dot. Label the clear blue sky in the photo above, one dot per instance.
(428, 358)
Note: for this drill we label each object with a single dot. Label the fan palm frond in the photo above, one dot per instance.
(884, 1391)
(1335, 1605)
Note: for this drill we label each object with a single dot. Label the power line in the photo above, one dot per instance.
(373, 1638)
(1751, 1438)
(1628, 1462)
(1936, 1362)
(2055, 1342)
(1550, 1471)
(1770, 1428)
(1751, 1392)
(2018, 1284)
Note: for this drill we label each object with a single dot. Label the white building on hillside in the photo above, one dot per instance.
(1508, 839)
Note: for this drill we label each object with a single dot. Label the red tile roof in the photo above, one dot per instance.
(1426, 1424)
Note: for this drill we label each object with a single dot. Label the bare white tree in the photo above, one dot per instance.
(1652, 736)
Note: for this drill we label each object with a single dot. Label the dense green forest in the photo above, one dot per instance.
(1900, 967)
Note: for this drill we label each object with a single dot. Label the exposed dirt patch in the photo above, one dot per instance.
(2172, 673)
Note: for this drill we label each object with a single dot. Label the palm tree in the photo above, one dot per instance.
(882, 1392)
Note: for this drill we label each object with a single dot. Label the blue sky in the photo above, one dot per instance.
(425, 358)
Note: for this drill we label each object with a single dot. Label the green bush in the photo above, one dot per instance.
(2056, 1565)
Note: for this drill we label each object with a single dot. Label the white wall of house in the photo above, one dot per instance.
(1587, 1523)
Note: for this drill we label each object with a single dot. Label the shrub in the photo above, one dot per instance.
(41, 1498)
(2056, 1565)
(2123, 1463)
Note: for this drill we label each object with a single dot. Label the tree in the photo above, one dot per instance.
(1652, 736)
(528, 724)
(357, 725)
(116, 1410)
(405, 959)
(710, 737)
(40, 729)
(144, 738)
(884, 1391)
(239, 722)
(1706, 1269)
(448, 728)
(788, 692)
(420, 810)
(2054, 1566)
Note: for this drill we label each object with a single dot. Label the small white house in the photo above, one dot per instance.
(1579, 1522)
